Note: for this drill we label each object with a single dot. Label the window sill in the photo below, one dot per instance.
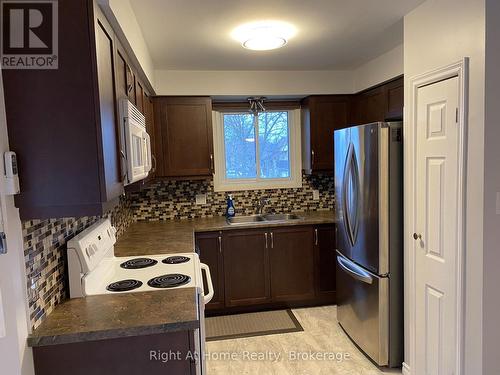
(253, 185)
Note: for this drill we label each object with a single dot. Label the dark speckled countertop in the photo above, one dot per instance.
(133, 314)
(177, 236)
(111, 316)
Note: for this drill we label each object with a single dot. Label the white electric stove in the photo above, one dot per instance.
(94, 269)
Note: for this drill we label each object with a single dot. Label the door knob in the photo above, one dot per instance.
(417, 236)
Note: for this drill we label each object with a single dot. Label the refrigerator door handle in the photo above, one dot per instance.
(351, 193)
(354, 271)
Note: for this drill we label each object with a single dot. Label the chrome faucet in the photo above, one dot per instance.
(262, 202)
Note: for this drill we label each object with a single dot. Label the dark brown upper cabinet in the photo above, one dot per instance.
(369, 106)
(125, 78)
(63, 123)
(395, 99)
(121, 75)
(380, 103)
(139, 97)
(150, 128)
(184, 143)
(131, 85)
(321, 116)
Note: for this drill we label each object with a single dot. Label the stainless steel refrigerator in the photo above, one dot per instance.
(369, 203)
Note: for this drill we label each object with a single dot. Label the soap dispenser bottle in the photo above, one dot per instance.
(230, 212)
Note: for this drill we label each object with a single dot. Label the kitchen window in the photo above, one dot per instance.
(257, 151)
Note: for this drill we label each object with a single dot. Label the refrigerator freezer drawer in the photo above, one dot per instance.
(363, 309)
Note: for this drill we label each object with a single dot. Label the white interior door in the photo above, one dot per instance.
(436, 227)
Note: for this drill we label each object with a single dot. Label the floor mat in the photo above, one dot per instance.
(251, 324)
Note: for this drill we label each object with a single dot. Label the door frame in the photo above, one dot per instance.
(458, 69)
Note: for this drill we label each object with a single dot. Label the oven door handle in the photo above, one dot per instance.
(207, 297)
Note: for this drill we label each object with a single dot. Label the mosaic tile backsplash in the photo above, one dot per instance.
(45, 256)
(166, 200)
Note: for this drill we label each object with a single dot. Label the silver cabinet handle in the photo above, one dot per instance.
(316, 236)
(212, 167)
(312, 158)
(153, 159)
(265, 235)
(220, 244)
(272, 240)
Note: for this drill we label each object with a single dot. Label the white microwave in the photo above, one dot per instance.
(135, 143)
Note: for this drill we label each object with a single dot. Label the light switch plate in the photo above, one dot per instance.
(201, 199)
(315, 195)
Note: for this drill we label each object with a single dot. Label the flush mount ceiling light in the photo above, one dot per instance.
(264, 35)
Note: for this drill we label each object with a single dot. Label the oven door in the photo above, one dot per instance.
(138, 145)
(363, 308)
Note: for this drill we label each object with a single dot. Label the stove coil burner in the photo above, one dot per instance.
(169, 281)
(137, 263)
(124, 285)
(175, 260)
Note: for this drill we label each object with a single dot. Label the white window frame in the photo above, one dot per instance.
(221, 183)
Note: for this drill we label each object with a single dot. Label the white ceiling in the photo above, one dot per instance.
(332, 34)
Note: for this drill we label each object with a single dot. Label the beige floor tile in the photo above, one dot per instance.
(277, 354)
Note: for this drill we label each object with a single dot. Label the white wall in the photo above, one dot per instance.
(491, 253)
(380, 69)
(15, 356)
(282, 83)
(437, 33)
(175, 82)
(122, 17)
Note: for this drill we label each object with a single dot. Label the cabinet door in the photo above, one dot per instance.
(246, 267)
(139, 96)
(186, 136)
(209, 246)
(108, 109)
(291, 258)
(371, 106)
(395, 99)
(150, 128)
(121, 68)
(324, 244)
(131, 85)
(327, 115)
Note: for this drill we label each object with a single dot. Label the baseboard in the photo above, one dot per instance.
(406, 369)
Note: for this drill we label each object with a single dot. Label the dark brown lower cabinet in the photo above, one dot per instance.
(246, 267)
(292, 263)
(324, 247)
(124, 356)
(209, 247)
(279, 267)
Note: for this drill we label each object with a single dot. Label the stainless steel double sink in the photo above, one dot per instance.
(263, 219)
